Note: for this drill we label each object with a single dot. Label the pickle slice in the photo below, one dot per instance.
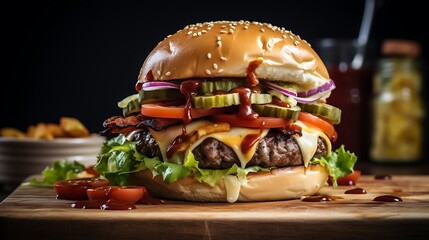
(271, 110)
(124, 102)
(212, 86)
(226, 100)
(132, 107)
(160, 95)
(329, 112)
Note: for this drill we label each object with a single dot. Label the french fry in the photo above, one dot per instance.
(56, 130)
(68, 127)
(41, 131)
(12, 132)
(73, 127)
(31, 131)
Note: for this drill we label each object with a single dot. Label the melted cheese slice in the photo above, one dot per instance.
(165, 137)
(232, 138)
(232, 187)
(308, 141)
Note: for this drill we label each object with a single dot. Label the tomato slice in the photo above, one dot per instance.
(127, 194)
(75, 189)
(163, 111)
(99, 192)
(266, 122)
(348, 180)
(318, 122)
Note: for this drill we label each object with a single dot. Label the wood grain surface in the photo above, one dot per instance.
(35, 213)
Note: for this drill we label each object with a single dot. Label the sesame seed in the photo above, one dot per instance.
(167, 73)
(199, 33)
(159, 72)
(284, 36)
(223, 31)
(204, 31)
(214, 65)
(246, 27)
(291, 37)
(223, 58)
(219, 43)
(262, 30)
(208, 72)
(218, 38)
(194, 35)
(209, 55)
(231, 30)
(190, 32)
(220, 70)
(296, 43)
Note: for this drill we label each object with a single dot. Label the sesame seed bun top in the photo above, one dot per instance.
(225, 49)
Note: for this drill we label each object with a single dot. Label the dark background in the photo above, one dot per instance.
(79, 58)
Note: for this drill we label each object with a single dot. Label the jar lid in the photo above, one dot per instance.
(400, 47)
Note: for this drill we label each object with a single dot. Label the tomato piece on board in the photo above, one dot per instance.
(348, 180)
(265, 122)
(99, 192)
(325, 126)
(127, 194)
(75, 189)
(178, 112)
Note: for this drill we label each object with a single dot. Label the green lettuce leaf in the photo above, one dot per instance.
(59, 170)
(339, 163)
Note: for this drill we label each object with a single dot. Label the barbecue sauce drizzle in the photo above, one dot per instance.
(245, 110)
(251, 139)
(188, 88)
(149, 77)
(355, 191)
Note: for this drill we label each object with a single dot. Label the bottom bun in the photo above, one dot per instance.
(277, 184)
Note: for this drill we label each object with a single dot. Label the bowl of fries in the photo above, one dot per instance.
(27, 153)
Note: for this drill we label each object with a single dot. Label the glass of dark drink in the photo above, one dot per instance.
(352, 93)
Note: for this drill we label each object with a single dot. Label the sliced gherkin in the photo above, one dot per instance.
(216, 101)
(124, 102)
(271, 110)
(160, 95)
(228, 99)
(212, 86)
(329, 112)
(132, 107)
(261, 98)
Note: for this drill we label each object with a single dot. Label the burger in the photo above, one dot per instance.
(227, 111)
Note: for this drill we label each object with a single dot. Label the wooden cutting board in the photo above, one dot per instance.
(35, 213)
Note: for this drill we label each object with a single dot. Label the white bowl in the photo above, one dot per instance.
(20, 158)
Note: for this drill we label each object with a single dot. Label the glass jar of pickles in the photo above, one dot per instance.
(397, 103)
